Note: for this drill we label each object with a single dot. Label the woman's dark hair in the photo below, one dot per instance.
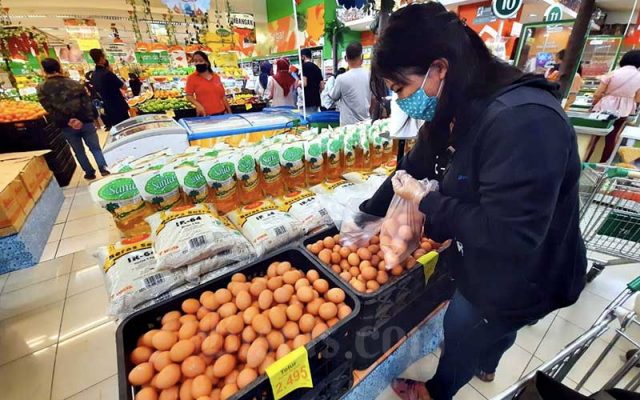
(204, 57)
(631, 57)
(419, 34)
(51, 66)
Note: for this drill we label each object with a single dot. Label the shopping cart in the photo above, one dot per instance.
(559, 366)
(610, 216)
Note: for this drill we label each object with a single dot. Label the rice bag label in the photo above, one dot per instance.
(292, 159)
(246, 172)
(304, 206)
(270, 165)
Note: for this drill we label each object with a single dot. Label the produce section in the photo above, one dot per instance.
(18, 110)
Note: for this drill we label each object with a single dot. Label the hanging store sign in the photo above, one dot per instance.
(505, 9)
(188, 7)
(84, 32)
(242, 21)
(553, 13)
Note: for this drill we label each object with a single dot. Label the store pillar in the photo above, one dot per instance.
(576, 43)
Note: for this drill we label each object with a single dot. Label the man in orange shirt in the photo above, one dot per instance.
(204, 88)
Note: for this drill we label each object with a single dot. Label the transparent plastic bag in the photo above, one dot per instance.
(357, 227)
(400, 232)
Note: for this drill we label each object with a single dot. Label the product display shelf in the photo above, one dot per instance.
(24, 249)
(331, 371)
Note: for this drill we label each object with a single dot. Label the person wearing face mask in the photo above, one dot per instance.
(502, 165)
(109, 86)
(204, 88)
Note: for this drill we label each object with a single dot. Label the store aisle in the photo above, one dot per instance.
(56, 341)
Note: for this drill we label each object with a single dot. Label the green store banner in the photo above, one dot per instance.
(148, 58)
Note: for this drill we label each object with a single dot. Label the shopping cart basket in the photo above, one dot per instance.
(610, 215)
(560, 365)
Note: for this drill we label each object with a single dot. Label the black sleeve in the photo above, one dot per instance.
(420, 163)
(113, 80)
(522, 162)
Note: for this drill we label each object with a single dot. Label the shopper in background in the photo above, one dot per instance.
(204, 88)
(619, 95)
(265, 72)
(109, 86)
(352, 88)
(135, 84)
(312, 81)
(508, 197)
(325, 96)
(70, 108)
(553, 73)
(281, 88)
(574, 90)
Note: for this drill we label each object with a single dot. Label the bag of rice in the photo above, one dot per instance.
(193, 183)
(266, 226)
(159, 187)
(118, 194)
(306, 209)
(164, 296)
(129, 268)
(187, 234)
(364, 177)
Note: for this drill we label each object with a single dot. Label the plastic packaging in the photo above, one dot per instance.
(348, 153)
(193, 183)
(266, 226)
(304, 206)
(131, 278)
(362, 149)
(401, 231)
(185, 235)
(358, 228)
(314, 160)
(221, 177)
(247, 177)
(268, 159)
(334, 155)
(159, 187)
(292, 161)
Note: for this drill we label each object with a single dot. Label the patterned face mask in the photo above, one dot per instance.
(419, 105)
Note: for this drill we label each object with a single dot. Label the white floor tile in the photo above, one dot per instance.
(83, 312)
(84, 360)
(530, 337)
(534, 363)
(509, 370)
(422, 370)
(82, 226)
(49, 251)
(78, 212)
(56, 233)
(468, 393)
(105, 390)
(85, 279)
(69, 192)
(88, 242)
(33, 297)
(613, 280)
(28, 377)
(30, 332)
(561, 333)
(3, 279)
(83, 259)
(62, 215)
(44, 271)
(586, 310)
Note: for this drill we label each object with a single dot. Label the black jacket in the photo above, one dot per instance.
(508, 199)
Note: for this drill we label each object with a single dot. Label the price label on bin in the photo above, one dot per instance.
(429, 262)
(290, 373)
(248, 106)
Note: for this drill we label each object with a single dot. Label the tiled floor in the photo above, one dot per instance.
(57, 343)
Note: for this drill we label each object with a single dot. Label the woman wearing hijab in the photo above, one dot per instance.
(282, 86)
(263, 80)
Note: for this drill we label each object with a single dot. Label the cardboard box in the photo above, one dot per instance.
(12, 212)
(32, 169)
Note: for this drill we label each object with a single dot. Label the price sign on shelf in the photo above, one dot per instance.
(248, 106)
(289, 373)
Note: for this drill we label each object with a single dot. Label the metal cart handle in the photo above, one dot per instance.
(634, 285)
(612, 172)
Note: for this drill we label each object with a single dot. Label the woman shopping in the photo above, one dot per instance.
(618, 95)
(281, 88)
(504, 163)
(263, 79)
(204, 88)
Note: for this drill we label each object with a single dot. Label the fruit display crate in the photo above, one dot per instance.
(331, 372)
(242, 108)
(24, 135)
(380, 306)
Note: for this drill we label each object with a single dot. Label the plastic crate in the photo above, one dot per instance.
(380, 306)
(326, 352)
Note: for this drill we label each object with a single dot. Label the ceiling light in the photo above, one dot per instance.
(533, 15)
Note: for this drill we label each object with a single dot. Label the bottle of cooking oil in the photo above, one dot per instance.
(314, 160)
(335, 147)
(292, 160)
(221, 177)
(271, 179)
(349, 153)
(247, 176)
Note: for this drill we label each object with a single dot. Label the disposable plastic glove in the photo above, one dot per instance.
(411, 189)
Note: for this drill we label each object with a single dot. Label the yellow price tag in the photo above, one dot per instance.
(290, 373)
(429, 262)
(170, 113)
(248, 106)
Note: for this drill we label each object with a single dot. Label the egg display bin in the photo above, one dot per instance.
(331, 371)
(391, 311)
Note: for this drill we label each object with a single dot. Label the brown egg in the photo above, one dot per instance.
(172, 393)
(382, 277)
(249, 313)
(397, 270)
(257, 352)
(223, 296)
(321, 285)
(188, 329)
(275, 282)
(201, 386)
(364, 254)
(335, 295)
(248, 334)
(336, 268)
(369, 273)
(185, 390)
(290, 330)
(169, 316)
(227, 310)
(358, 285)
(373, 249)
(282, 295)
(354, 271)
(173, 325)
(238, 277)
(328, 311)
(328, 242)
(140, 354)
(193, 366)
(141, 374)
(316, 248)
(169, 376)
(231, 343)
(197, 343)
(228, 391)
(265, 299)
(411, 262)
(190, 306)
(301, 340)
(243, 351)
(257, 287)
(345, 276)
(332, 322)
(147, 393)
(312, 275)
(318, 330)
(261, 324)
(325, 256)
(283, 267)
(300, 283)
(161, 360)
(278, 317)
(188, 318)
(212, 344)
(344, 252)
(163, 340)
(202, 311)
(305, 294)
(224, 365)
(375, 260)
(282, 351)
(335, 258)
(275, 339)
(237, 287)
(181, 350)
(271, 271)
(235, 324)
(353, 259)
(344, 264)
(209, 321)
(314, 306)
(373, 285)
(246, 376)
(208, 300)
(290, 276)
(294, 312)
(306, 323)
(215, 395)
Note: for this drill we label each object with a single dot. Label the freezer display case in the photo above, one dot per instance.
(147, 134)
(236, 128)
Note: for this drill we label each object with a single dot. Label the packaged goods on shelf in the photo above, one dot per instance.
(363, 177)
(314, 155)
(271, 174)
(292, 162)
(220, 175)
(247, 176)
(304, 206)
(192, 182)
(266, 226)
(159, 187)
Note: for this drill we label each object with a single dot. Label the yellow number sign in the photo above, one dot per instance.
(290, 373)
(429, 262)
